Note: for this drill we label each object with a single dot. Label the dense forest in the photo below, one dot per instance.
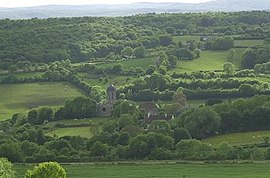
(84, 38)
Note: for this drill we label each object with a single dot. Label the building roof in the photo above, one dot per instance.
(149, 107)
(151, 118)
(111, 88)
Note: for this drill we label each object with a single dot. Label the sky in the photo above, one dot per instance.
(27, 3)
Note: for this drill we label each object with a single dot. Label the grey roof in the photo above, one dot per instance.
(111, 88)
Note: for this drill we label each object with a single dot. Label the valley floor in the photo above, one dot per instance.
(163, 170)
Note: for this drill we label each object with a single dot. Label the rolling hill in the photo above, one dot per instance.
(131, 9)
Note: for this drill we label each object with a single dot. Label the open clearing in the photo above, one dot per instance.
(82, 127)
(209, 60)
(164, 171)
(244, 138)
(248, 43)
(21, 97)
(71, 131)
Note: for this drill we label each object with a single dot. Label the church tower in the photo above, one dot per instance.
(105, 109)
(111, 94)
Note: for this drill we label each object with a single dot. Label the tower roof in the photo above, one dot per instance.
(111, 88)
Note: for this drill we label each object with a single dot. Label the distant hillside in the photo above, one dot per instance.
(131, 9)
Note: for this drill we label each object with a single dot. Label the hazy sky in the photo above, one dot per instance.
(24, 3)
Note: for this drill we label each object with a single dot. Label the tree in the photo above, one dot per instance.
(172, 61)
(99, 149)
(248, 60)
(180, 97)
(165, 40)
(228, 68)
(12, 151)
(231, 54)
(125, 107)
(200, 122)
(186, 54)
(12, 68)
(190, 149)
(126, 119)
(220, 43)
(150, 69)
(123, 138)
(197, 53)
(44, 114)
(162, 70)
(47, 170)
(80, 108)
(6, 169)
(170, 30)
(246, 90)
(127, 51)
(139, 52)
(180, 134)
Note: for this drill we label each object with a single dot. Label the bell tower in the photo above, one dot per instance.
(111, 94)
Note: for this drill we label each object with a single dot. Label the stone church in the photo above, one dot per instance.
(105, 109)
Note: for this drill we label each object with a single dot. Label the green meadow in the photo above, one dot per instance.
(248, 43)
(82, 127)
(244, 138)
(209, 60)
(165, 170)
(21, 97)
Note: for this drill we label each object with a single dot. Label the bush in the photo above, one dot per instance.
(47, 170)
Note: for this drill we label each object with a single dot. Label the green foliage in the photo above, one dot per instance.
(220, 43)
(99, 149)
(193, 149)
(80, 107)
(12, 151)
(139, 52)
(127, 51)
(6, 169)
(200, 122)
(180, 134)
(228, 68)
(253, 56)
(125, 107)
(47, 170)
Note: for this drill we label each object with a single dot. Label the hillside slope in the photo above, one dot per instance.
(131, 9)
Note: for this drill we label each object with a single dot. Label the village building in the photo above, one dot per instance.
(105, 109)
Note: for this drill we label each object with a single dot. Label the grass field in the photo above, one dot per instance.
(112, 79)
(209, 60)
(72, 131)
(164, 171)
(248, 43)
(244, 138)
(21, 97)
(84, 127)
(22, 75)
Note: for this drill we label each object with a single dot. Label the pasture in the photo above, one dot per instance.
(115, 79)
(82, 127)
(71, 131)
(209, 60)
(164, 170)
(21, 97)
(244, 138)
(248, 43)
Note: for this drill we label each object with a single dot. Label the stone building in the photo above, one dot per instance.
(105, 109)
